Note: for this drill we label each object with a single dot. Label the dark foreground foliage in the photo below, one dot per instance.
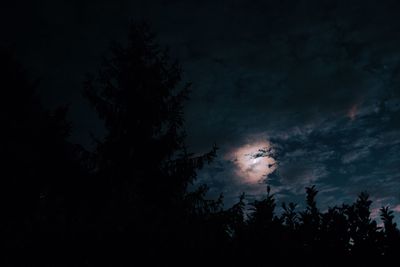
(128, 203)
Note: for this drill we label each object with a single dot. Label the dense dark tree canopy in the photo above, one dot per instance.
(41, 175)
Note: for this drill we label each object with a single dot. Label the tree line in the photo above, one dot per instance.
(128, 201)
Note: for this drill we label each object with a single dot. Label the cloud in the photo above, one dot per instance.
(342, 157)
(355, 155)
(252, 160)
(297, 175)
(320, 81)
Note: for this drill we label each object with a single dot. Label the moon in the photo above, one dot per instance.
(253, 161)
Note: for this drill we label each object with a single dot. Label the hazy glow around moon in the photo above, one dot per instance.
(253, 161)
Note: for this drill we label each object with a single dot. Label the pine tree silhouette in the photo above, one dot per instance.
(142, 167)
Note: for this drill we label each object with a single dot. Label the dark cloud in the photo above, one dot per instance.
(319, 79)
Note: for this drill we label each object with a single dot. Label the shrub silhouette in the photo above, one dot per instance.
(391, 235)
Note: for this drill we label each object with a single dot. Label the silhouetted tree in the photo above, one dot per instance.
(22, 118)
(289, 216)
(237, 218)
(335, 235)
(391, 235)
(363, 230)
(142, 166)
(264, 229)
(291, 242)
(310, 222)
(262, 212)
(40, 174)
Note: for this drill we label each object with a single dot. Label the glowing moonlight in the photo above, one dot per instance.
(253, 161)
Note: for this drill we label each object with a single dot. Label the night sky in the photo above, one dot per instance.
(293, 93)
